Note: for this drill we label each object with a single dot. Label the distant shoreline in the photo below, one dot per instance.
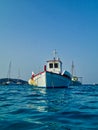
(12, 81)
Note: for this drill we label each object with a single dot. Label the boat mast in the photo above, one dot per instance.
(9, 71)
(18, 74)
(54, 54)
(72, 69)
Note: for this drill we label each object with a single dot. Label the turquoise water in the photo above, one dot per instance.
(30, 108)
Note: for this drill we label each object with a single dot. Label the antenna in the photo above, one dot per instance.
(54, 54)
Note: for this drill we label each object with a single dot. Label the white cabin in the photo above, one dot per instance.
(54, 66)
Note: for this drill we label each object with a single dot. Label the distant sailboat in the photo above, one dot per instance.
(12, 81)
(75, 79)
(18, 78)
(8, 74)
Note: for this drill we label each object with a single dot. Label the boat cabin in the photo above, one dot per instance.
(54, 66)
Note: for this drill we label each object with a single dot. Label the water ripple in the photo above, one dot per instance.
(27, 108)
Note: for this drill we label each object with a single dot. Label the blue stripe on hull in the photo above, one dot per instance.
(56, 80)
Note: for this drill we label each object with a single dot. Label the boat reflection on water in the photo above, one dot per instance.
(49, 100)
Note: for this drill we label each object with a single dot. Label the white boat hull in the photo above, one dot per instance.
(50, 80)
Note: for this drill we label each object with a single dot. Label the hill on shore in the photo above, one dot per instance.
(11, 81)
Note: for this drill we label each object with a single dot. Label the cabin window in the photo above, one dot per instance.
(55, 65)
(50, 65)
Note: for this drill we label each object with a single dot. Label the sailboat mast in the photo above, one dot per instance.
(72, 68)
(18, 73)
(9, 71)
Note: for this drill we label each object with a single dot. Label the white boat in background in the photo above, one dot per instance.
(52, 75)
(76, 81)
(18, 78)
(8, 74)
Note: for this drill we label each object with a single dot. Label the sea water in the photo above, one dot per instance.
(31, 108)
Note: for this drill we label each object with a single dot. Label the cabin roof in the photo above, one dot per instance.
(54, 61)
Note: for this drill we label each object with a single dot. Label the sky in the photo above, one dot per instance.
(31, 29)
